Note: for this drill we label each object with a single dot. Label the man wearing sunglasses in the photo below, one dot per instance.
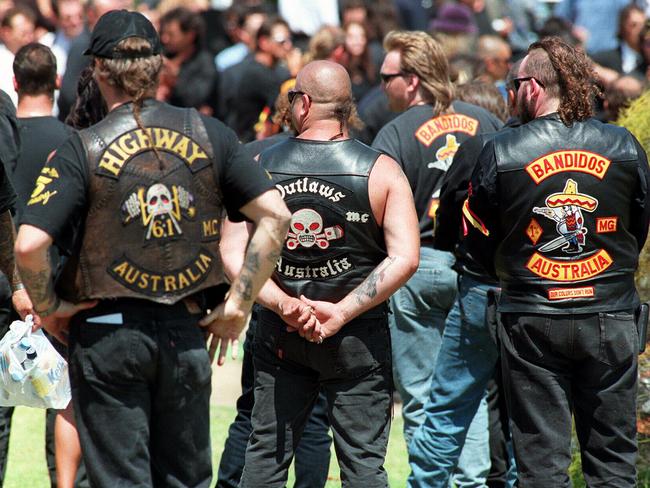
(558, 211)
(323, 323)
(423, 140)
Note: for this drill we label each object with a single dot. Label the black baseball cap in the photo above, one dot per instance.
(117, 25)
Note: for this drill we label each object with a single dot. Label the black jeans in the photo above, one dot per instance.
(352, 368)
(141, 393)
(313, 451)
(554, 366)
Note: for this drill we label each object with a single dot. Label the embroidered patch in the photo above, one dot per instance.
(569, 271)
(428, 132)
(445, 155)
(160, 209)
(317, 270)
(565, 209)
(606, 224)
(153, 283)
(534, 231)
(306, 230)
(128, 145)
(559, 161)
(565, 293)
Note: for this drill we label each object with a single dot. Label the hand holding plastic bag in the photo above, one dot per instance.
(32, 372)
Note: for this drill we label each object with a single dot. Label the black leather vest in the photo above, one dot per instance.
(334, 242)
(153, 224)
(565, 199)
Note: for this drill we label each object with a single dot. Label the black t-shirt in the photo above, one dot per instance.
(258, 88)
(425, 146)
(40, 136)
(59, 205)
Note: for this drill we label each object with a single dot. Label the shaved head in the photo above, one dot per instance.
(325, 82)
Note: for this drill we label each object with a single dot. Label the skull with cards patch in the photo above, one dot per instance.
(307, 230)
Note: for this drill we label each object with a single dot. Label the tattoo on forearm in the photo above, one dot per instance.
(39, 285)
(368, 289)
(7, 236)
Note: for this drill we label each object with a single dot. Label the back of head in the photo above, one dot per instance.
(127, 51)
(489, 46)
(329, 87)
(423, 56)
(324, 42)
(485, 95)
(566, 74)
(35, 70)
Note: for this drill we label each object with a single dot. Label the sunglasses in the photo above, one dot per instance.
(291, 95)
(386, 77)
(516, 82)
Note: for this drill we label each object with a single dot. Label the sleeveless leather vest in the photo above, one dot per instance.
(565, 199)
(152, 228)
(333, 242)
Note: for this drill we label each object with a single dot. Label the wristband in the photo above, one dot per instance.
(49, 310)
(17, 287)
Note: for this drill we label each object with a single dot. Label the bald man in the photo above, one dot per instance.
(323, 324)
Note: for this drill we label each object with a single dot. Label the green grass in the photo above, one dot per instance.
(26, 467)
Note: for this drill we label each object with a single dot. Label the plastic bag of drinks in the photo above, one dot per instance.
(32, 372)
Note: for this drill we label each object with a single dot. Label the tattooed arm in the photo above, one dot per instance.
(234, 238)
(33, 262)
(19, 296)
(271, 219)
(392, 205)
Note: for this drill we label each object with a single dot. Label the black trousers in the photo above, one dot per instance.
(141, 393)
(554, 366)
(313, 451)
(352, 368)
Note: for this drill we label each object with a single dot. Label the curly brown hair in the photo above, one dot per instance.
(567, 74)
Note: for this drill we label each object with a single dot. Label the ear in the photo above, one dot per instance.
(57, 83)
(15, 83)
(413, 84)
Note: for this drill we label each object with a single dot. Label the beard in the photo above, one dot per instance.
(524, 110)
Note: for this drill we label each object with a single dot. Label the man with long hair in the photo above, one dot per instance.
(423, 140)
(558, 210)
(136, 201)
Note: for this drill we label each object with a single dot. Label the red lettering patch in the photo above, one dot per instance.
(606, 224)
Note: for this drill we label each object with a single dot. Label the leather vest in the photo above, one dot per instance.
(334, 242)
(152, 228)
(565, 198)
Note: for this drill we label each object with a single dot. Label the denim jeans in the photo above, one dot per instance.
(313, 452)
(352, 368)
(141, 393)
(456, 412)
(416, 324)
(584, 364)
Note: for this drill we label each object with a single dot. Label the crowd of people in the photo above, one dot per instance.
(420, 197)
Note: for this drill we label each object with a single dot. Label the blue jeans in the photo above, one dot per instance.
(416, 324)
(457, 410)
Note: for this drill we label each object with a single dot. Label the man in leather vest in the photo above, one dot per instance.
(558, 210)
(352, 241)
(137, 201)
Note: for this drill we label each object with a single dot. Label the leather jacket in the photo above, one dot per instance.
(559, 213)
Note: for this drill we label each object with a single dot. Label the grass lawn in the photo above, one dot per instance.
(27, 469)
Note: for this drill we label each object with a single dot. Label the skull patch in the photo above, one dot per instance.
(306, 229)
